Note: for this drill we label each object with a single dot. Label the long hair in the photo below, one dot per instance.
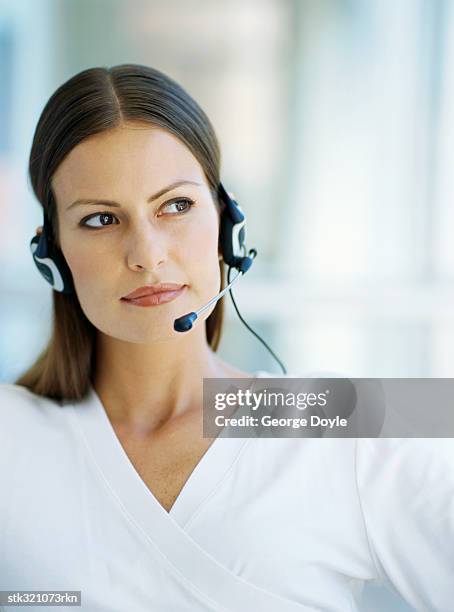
(94, 101)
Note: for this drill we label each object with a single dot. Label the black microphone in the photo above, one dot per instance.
(185, 322)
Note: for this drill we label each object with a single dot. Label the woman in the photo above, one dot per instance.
(111, 488)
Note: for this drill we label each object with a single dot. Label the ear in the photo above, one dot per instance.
(39, 230)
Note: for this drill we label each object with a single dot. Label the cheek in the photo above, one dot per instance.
(203, 234)
(202, 243)
(81, 264)
(89, 271)
(201, 256)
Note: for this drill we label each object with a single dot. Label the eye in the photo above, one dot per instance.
(103, 216)
(181, 205)
(186, 202)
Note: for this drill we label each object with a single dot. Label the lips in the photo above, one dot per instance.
(151, 290)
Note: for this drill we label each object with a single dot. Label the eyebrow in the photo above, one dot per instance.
(158, 194)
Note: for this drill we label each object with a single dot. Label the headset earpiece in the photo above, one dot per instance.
(232, 230)
(50, 261)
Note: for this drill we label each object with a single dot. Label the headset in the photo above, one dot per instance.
(54, 269)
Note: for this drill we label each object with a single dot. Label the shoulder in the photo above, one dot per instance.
(12, 395)
(10, 392)
(406, 489)
(412, 476)
(29, 425)
(19, 405)
(409, 465)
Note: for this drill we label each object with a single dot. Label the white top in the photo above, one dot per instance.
(273, 525)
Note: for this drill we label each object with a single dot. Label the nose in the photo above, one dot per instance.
(147, 249)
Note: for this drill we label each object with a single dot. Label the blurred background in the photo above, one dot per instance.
(336, 122)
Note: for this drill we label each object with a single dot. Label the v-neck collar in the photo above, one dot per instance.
(164, 531)
(124, 479)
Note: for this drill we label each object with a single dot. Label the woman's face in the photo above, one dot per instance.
(137, 241)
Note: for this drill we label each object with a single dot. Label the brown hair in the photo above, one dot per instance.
(93, 101)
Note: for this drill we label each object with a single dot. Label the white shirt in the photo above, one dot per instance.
(262, 524)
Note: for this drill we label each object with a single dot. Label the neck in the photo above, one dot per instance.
(144, 386)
